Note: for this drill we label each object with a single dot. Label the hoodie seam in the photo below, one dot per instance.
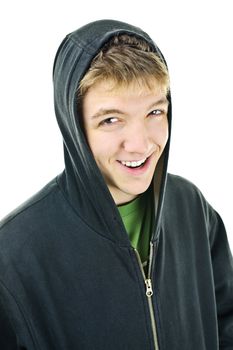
(83, 45)
(26, 320)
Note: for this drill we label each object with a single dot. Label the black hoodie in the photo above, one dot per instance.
(69, 277)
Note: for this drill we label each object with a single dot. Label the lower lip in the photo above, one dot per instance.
(137, 171)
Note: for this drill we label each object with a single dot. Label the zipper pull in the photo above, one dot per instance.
(149, 290)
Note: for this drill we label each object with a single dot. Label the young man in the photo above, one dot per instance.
(115, 253)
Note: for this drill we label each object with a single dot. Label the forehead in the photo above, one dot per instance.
(131, 99)
(137, 87)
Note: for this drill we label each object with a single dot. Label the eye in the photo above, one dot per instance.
(109, 121)
(156, 112)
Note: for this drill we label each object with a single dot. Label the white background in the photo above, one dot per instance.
(196, 39)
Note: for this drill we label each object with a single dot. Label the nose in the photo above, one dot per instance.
(136, 139)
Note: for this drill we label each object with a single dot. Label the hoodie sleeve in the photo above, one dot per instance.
(223, 277)
(8, 339)
(14, 333)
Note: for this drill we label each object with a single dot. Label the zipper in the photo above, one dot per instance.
(149, 292)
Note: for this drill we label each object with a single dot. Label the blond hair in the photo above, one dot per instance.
(124, 60)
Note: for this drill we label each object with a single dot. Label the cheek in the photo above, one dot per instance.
(103, 146)
(165, 131)
(160, 134)
(165, 136)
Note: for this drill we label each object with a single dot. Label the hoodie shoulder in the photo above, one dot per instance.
(176, 183)
(27, 229)
(183, 195)
(23, 214)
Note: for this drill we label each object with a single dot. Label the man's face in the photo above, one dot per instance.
(127, 130)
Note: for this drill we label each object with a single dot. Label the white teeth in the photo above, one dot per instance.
(133, 164)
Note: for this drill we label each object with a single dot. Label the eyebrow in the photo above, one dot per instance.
(161, 101)
(104, 111)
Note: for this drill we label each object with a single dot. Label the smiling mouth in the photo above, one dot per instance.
(134, 164)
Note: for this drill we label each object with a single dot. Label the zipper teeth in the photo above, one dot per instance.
(150, 260)
(146, 279)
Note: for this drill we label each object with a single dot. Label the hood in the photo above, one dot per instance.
(82, 181)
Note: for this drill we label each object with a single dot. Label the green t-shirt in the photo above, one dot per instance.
(137, 217)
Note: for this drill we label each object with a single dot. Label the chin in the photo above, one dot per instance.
(139, 190)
